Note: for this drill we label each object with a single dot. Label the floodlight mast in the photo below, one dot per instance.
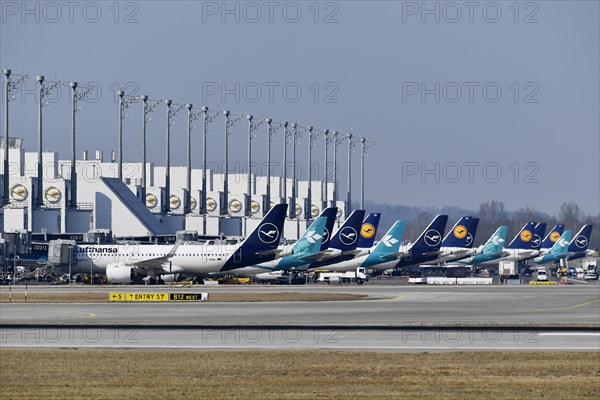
(252, 126)
(351, 144)
(73, 198)
(283, 190)
(10, 86)
(171, 112)
(192, 116)
(144, 122)
(206, 119)
(5, 178)
(270, 132)
(44, 90)
(336, 142)
(75, 98)
(311, 137)
(120, 94)
(365, 146)
(124, 103)
(294, 142)
(146, 110)
(40, 169)
(229, 122)
(325, 190)
(167, 203)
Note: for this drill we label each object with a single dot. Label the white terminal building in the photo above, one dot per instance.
(103, 202)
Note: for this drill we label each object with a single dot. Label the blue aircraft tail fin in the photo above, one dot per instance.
(329, 213)
(368, 230)
(495, 242)
(462, 234)
(562, 244)
(581, 241)
(310, 242)
(390, 243)
(346, 238)
(431, 238)
(553, 236)
(258, 246)
(538, 234)
(523, 239)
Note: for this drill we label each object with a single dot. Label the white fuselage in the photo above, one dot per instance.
(189, 259)
(514, 255)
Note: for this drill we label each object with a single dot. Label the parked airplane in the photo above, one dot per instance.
(491, 250)
(558, 252)
(386, 250)
(122, 262)
(300, 253)
(424, 249)
(552, 237)
(458, 243)
(520, 248)
(578, 248)
(368, 230)
(538, 234)
(342, 245)
(366, 236)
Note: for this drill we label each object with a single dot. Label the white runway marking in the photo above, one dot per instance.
(233, 347)
(570, 334)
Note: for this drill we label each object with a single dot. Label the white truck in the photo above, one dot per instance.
(590, 270)
(359, 276)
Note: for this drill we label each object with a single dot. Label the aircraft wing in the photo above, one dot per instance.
(158, 262)
(432, 253)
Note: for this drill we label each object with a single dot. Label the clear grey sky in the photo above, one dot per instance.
(464, 90)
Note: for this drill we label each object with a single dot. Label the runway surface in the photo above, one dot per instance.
(398, 318)
(291, 337)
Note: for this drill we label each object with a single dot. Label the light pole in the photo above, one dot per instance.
(44, 90)
(120, 94)
(249, 176)
(325, 190)
(229, 122)
(294, 142)
(10, 87)
(5, 178)
(124, 103)
(167, 202)
(70, 261)
(269, 122)
(351, 144)
(251, 128)
(336, 141)
(284, 180)
(311, 137)
(75, 98)
(146, 109)
(15, 258)
(171, 112)
(206, 119)
(188, 177)
(364, 147)
(192, 116)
